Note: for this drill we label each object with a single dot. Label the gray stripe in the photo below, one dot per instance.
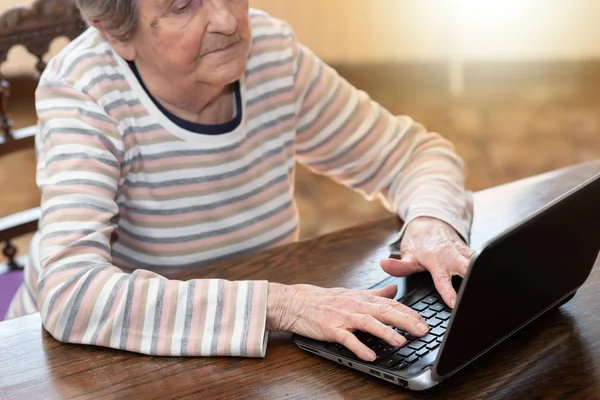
(299, 62)
(262, 38)
(91, 243)
(81, 156)
(187, 326)
(269, 64)
(121, 102)
(323, 109)
(206, 207)
(109, 304)
(77, 303)
(65, 285)
(348, 149)
(382, 158)
(218, 316)
(82, 58)
(251, 165)
(128, 306)
(54, 234)
(268, 95)
(76, 182)
(197, 264)
(265, 125)
(313, 84)
(87, 132)
(103, 77)
(52, 271)
(157, 316)
(216, 232)
(334, 134)
(79, 206)
(199, 152)
(247, 316)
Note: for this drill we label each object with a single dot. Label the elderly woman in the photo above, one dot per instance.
(168, 133)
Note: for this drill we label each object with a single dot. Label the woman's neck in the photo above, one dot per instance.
(199, 103)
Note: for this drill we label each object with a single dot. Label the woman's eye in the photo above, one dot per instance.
(181, 6)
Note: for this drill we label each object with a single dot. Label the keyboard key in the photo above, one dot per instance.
(433, 345)
(422, 352)
(411, 359)
(386, 351)
(445, 324)
(428, 338)
(406, 335)
(438, 306)
(392, 360)
(405, 352)
(417, 345)
(420, 306)
(443, 315)
(402, 365)
(438, 331)
(427, 313)
(433, 322)
(430, 299)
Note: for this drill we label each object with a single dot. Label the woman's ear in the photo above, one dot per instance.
(124, 48)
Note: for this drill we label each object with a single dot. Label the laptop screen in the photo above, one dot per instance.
(522, 273)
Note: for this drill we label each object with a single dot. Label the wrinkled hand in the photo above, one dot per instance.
(333, 314)
(433, 245)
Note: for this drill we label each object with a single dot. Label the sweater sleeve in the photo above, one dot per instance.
(345, 135)
(82, 296)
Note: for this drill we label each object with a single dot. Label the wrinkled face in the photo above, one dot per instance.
(191, 41)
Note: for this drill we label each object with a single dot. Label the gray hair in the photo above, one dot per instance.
(120, 17)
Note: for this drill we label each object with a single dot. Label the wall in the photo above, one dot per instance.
(409, 30)
(358, 31)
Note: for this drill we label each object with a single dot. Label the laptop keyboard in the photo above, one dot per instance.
(433, 309)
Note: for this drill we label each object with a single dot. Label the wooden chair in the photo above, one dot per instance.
(35, 28)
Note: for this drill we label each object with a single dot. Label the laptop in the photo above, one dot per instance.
(526, 271)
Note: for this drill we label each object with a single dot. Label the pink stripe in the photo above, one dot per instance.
(126, 111)
(257, 313)
(75, 114)
(223, 210)
(263, 74)
(136, 309)
(85, 65)
(101, 88)
(272, 102)
(195, 334)
(212, 241)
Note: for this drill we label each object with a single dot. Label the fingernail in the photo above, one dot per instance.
(422, 327)
(452, 302)
(369, 355)
(400, 340)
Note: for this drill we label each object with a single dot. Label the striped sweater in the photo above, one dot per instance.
(110, 162)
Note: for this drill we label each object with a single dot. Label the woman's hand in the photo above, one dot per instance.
(333, 314)
(433, 245)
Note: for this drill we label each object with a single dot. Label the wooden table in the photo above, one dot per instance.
(558, 358)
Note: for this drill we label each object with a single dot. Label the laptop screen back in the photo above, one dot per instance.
(522, 273)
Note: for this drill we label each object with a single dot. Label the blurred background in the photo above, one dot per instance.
(515, 85)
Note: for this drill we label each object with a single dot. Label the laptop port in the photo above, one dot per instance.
(389, 377)
(375, 372)
(403, 383)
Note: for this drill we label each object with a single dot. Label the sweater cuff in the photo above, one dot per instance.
(460, 222)
(257, 334)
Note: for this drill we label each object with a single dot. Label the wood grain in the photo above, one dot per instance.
(559, 357)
